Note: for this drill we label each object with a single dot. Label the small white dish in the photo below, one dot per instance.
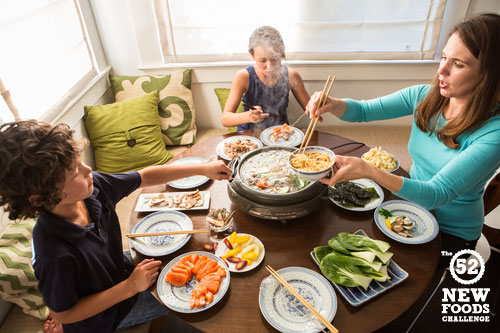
(374, 203)
(426, 226)
(192, 181)
(144, 199)
(285, 312)
(222, 249)
(177, 298)
(220, 147)
(295, 138)
(161, 222)
(316, 175)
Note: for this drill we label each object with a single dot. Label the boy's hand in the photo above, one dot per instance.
(144, 275)
(257, 115)
(217, 170)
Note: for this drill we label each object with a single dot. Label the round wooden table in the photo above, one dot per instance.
(289, 244)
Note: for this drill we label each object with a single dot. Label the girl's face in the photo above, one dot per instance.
(267, 61)
(458, 70)
(78, 183)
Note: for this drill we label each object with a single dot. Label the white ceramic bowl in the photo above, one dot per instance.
(316, 175)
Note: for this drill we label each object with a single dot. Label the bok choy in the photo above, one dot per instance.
(353, 260)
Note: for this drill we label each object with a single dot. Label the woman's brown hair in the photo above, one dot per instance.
(33, 160)
(481, 35)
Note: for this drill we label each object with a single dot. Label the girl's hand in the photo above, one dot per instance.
(217, 170)
(335, 106)
(256, 116)
(144, 275)
(348, 168)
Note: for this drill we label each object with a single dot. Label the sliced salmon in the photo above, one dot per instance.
(176, 279)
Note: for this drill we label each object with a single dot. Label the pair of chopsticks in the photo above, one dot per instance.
(248, 105)
(301, 299)
(166, 233)
(312, 124)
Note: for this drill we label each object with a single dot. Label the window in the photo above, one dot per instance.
(45, 55)
(199, 30)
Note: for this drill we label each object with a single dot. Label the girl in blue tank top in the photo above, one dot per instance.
(265, 85)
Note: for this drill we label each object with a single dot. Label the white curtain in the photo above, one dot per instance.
(45, 58)
(218, 30)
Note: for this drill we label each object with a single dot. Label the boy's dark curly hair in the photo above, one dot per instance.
(33, 159)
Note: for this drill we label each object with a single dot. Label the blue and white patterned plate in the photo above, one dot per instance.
(220, 147)
(286, 313)
(189, 182)
(426, 226)
(295, 138)
(177, 298)
(161, 222)
(357, 296)
(365, 183)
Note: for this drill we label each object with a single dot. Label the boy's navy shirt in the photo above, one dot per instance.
(71, 261)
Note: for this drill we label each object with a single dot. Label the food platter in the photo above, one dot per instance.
(177, 298)
(192, 181)
(426, 226)
(357, 296)
(161, 222)
(220, 147)
(286, 313)
(374, 203)
(222, 249)
(294, 140)
(144, 205)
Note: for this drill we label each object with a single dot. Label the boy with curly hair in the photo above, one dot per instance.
(77, 247)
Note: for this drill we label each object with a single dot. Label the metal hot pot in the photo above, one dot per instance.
(272, 206)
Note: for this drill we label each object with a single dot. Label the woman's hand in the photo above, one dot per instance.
(257, 115)
(348, 168)
(335, 106)
(217, 170)
(144, 275)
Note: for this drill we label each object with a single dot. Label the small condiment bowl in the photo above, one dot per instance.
(226, 226)
(316, 175)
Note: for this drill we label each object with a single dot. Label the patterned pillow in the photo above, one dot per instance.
(222, 95)
(175, 107)
(18, 283)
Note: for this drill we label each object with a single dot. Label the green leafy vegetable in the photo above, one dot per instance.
(341, 270)
(322, 251)
(385, 213)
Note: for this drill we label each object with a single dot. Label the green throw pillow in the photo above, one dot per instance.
(18, 283)
(176, 105)
(222, 94)
(126, 135)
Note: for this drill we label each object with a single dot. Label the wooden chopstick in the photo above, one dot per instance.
(302, 300)
(312, 124)
(250, 106)
(166, 233)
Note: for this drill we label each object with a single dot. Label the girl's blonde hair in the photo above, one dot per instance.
(266, 36)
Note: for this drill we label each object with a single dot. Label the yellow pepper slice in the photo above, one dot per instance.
(388, 223)
(249, 255)
(232, 237)
(232, 252)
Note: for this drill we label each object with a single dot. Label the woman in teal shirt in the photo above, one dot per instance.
(455, 134)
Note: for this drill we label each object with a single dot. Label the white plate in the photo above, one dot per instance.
(295, 138)
(286, 313)
(143, 206)
(365, 183)
(220, 146)
(189, 182)
(222, 249)
(161, 222)
(177, 298)
(426, 226)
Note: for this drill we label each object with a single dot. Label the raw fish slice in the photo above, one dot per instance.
(181, 269)
(176, 279)
(208, 267)
(205, 272)
(199, 264)
(209, 296)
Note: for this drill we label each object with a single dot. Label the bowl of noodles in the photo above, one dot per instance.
(313, 163)
(381, 159)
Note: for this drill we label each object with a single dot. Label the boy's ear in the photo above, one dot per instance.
(35, 200)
